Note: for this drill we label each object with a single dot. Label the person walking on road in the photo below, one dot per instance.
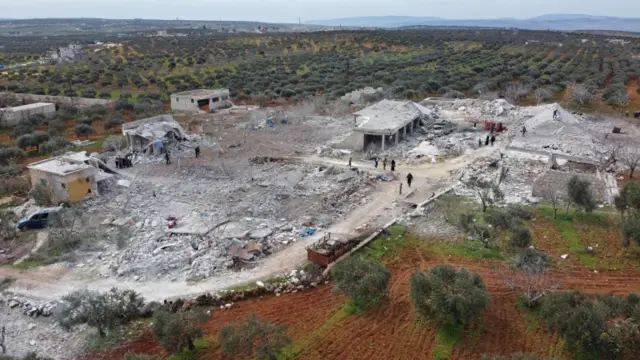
(400, 189)
(393, 165)
(493, 139)
(486, 141)
(524, 130)
(375, 162)
(384, 164)
(350, 162)
(409, 179)
(197, 151)
(167, 157)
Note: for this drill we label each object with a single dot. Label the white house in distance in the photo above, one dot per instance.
(385, 122)
(202, 99)
(10, 116)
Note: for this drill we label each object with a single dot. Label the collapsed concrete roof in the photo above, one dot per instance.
(387, 116)
(153, 128)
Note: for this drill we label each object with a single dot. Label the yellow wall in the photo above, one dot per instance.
(75, 187)
(78, 189)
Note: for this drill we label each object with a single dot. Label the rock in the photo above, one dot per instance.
(253, 247)
(165, 247)
(260, 234)
(228, 305)
(13, 303)
(564, 256)
(285, 227)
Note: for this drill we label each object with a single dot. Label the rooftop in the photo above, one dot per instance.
(28, 106)
(387, 116)
(59, 166)
(200, 93)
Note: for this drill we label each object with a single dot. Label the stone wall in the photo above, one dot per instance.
(75, 101)
(554, 180)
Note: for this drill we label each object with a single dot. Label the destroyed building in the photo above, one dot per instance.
(384, 123)
(193, 101)
(158, 130)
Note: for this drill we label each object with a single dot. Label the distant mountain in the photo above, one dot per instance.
(545, 22)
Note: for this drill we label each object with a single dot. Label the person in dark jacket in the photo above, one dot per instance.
(393, 165)
(197, 151)
(409, 179)
(167, 157)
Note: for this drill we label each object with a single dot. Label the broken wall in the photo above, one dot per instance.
(553, 180)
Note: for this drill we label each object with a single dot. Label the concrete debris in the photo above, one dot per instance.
(31, 308)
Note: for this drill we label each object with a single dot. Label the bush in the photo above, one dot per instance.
(41, 195)
(631, 230)
(11, 155)
(520, 237)
(365, 281)
(447, 295)
(602, 325)
(499, 219)
(104, 311)
(580, 194)
(530, 260)
(84, 120)
(83, 130)
(53, 145)
(519, 211)
(254, 338)
(175, 331)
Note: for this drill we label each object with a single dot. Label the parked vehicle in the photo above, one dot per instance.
(37, 220)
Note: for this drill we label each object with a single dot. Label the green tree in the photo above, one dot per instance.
(365, 281)
(580, 194)
(83, 130)
(520, 237)
(631, 230)
(41, 195)
(24, 127)
(104, 311)
(25, 141)
(175, 331)
(487, 192)
(10, 155)
(447, 295)
(254, 338)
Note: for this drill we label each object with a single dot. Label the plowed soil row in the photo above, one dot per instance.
(391, 329)
(548, 237)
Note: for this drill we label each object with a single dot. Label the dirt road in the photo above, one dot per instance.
(52, 282)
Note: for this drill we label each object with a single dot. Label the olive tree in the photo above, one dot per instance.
(83, 130)
(175, 331)
(365, 281)
(447, 295)
(104, 311)
(254, 338)
(580, 194)
(487, 191)
(630, 157)
(10, 155)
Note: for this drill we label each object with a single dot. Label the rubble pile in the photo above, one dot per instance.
(31, 308)
(222, 216)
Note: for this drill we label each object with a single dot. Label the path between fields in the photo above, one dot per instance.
(52, 282)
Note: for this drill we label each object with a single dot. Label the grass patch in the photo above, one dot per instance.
(470, 249)
(112, 339)
(384, 245)
(571, 236)
(186, 354)
(28, 264)
(446, 338)
(531, 316)
(295, 349)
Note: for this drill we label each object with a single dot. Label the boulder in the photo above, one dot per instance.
(150, 308)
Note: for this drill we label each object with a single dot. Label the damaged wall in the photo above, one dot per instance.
(553, 180)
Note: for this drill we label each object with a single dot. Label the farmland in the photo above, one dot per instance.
(586, 69)
(323, 328)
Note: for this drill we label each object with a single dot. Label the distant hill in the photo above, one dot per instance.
(545, 22)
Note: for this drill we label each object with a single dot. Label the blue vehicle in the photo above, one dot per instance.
(1, 66)
(37, 220)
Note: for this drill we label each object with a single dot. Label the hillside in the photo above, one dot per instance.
(565, 22)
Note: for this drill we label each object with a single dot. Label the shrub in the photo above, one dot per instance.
(83, 130)
(580, 194)
(519, 211)
(104, 311)
(175, 331)
(520, 237)
(595, 324)
(499, 219)
(254, 338)
(84, 120)
(41, 195)
(11, 155)
(365, 281)
(631, 230)
(531, 260)
(447, 295)
(53, 145)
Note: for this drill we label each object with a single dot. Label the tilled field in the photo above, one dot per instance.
(392, 330)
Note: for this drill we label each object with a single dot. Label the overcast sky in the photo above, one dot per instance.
(290, 10)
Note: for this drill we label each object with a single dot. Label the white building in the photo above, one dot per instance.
(10, 116)
(202, 99)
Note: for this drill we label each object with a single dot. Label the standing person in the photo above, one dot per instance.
(375, 162)
(167, 157)
(400, 189)
(409, 179)
(479, 142)
(197, 151)
(384, 164)
(350, 162)
(486, 141)
(524, 130)
(493, 139)
(393, 165)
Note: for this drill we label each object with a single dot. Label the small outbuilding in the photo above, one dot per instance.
(67, 180)
(193, 101)
(10, 116)
(158, 130)
(386, 122)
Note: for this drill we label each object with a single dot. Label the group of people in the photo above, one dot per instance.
(384, 164)
(489, 139)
